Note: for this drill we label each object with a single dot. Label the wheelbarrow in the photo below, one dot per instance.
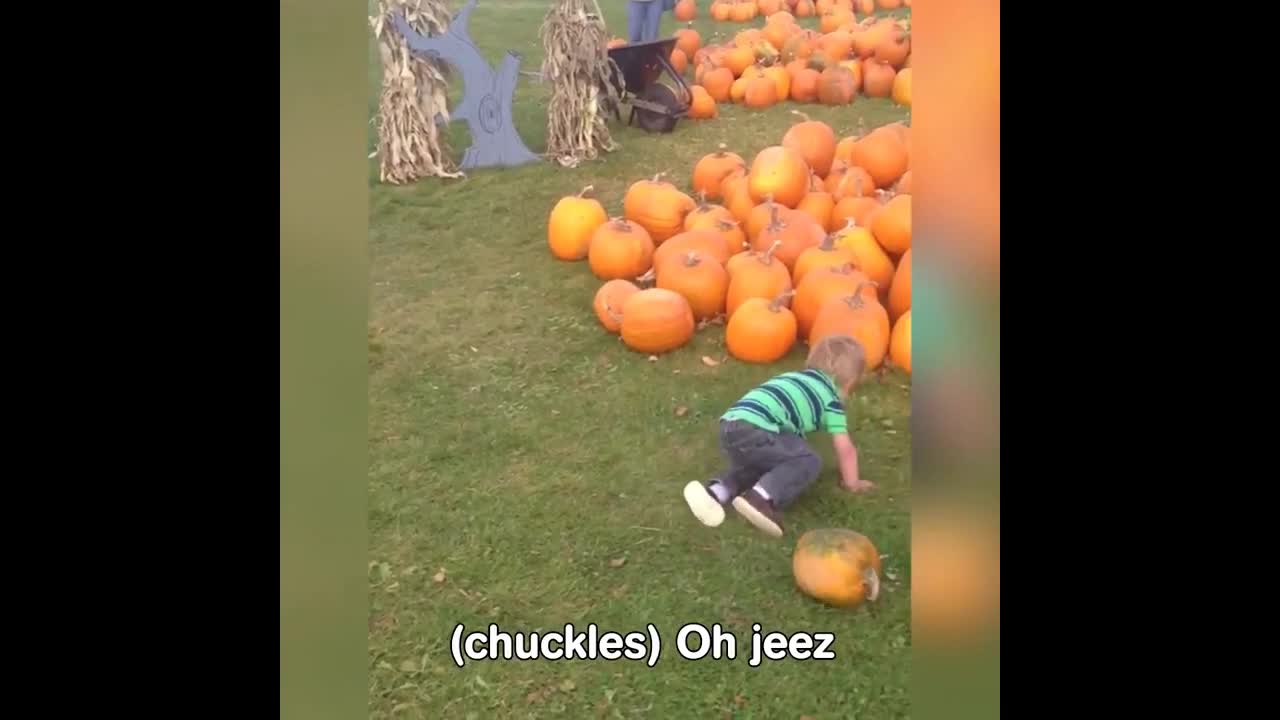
(655, 107)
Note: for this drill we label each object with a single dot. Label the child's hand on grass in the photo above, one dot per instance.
(859, 486)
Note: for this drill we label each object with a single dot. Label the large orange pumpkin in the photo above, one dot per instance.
(762, 330)
(901, 91)
(818, 205)
(793, 232)
(738, 60)
(706, 242)
(814, 140)
(700, 278)
(863, 319)
(778, 32)
(804, 86)
(609, 301)
(761, 93)
(757, 275)
(900, 343)
(781, 80)
(742, 12)
(573, 221)
(893, 48)
(877, 80)
(686, 10)
(892, 225)
(656, 320)
(780, 172)
(882, 154)
(711, 170)
(867, 254)
(701, 105)
(658, 207)
(820, 286)
(689, 41)
(900, 290)
(717, 81)
(705, 216)
(838, 567)
(836, 87)
(738, 90)
(620, 250)
(679, 61)
(825, 255)
(721, 11)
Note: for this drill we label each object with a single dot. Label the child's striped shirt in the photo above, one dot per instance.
(795, 402)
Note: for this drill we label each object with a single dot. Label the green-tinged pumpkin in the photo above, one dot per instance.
(836, 566)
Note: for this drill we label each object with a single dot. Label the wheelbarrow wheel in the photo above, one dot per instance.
(654, 121)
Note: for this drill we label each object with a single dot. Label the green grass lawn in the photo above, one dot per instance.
(527, 453)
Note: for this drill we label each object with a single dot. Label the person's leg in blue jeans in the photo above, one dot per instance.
(635, 20)
(653, 20)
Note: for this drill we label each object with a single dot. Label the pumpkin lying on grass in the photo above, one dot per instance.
(838, 567)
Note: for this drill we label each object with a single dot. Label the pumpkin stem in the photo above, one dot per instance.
(648, 277)
(872, 579)
(828, 242)
(773, 216)
(779, 301)
(856, 301)
(691, 258)
(620, 224)
(797, 112)
(767, 258)
(702, 199)
(583, 192)
(724, 150)
(612, 315)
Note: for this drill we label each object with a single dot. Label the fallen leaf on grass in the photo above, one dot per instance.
(653, 358)
(709, 361)
(473, 348)
(681, 411)
(618, 591)
(567, 686)
(890, 575)
(439, 577)
(617, 562)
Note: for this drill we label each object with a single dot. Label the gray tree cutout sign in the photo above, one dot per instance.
(486, 95)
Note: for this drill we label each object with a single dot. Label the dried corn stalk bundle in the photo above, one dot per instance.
(578, 68)
(410, 142)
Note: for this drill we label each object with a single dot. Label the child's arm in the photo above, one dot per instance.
(848, 456)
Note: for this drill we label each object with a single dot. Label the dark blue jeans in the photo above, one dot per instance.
(781, 463)
(643, 19)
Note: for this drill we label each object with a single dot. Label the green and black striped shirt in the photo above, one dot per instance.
(795, 402)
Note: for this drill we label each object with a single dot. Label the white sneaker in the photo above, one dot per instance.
(704, 505)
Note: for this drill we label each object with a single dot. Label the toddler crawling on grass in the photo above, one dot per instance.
(762, 437)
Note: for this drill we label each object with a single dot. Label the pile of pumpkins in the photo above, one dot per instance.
(780, 61)
(740, 11)
(810, 239)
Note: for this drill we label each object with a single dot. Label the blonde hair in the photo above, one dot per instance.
(839, 356)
